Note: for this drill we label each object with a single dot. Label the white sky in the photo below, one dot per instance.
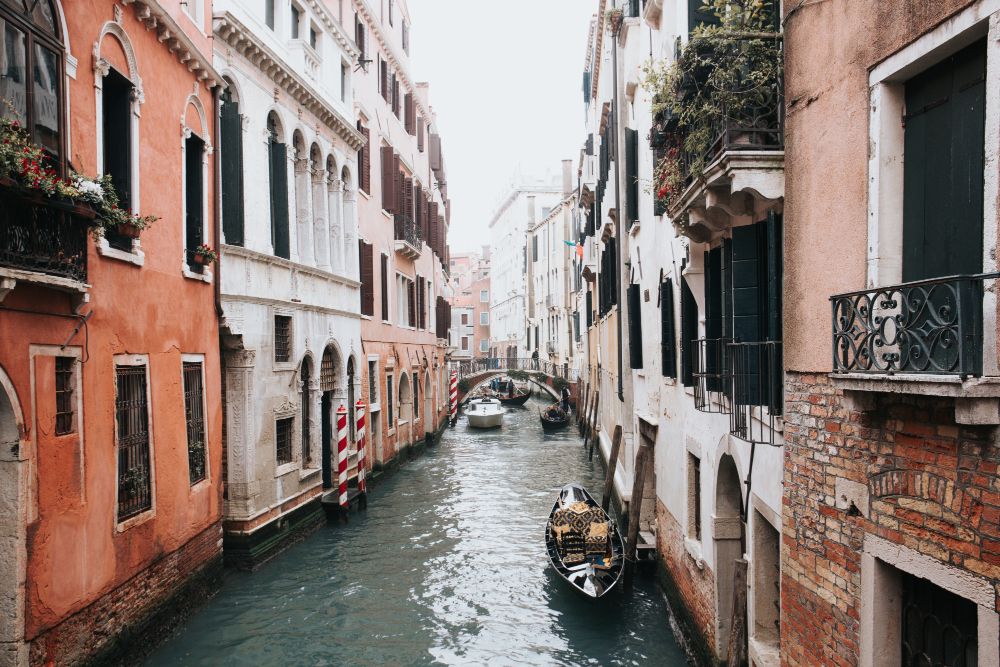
(506, 82)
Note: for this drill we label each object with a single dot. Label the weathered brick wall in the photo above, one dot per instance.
(124, 625)
(933, 488)
(694, 587)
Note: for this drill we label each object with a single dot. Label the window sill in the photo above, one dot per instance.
(364, 194)
(374, 407)
(764, 653)
(392, 431)
(387, 214)
(200, 485)
(136, 520)
(280, 366)
(308, 472)
(670, 382)
(205, 277)
(136, 257)
(693, 548)
(366, 317)
(286, 468)
(402, 422)
(921, 384)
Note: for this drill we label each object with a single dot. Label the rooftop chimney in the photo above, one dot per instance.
(531, 211)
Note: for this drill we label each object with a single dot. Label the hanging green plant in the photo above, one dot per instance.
(613, 19)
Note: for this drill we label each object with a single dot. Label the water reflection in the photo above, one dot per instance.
(446, 567)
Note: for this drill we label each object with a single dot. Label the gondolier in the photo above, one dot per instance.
(565, 397)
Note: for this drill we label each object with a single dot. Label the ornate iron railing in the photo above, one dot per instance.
(43, 236)
(712, 375)
(927, 326)
(758, 390)
(407, 230)
(468, 368)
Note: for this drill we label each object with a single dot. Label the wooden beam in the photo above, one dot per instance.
(737, 636)
(609, 479)
(596, 431)
(643, 458)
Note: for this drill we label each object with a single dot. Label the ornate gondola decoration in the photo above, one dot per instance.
(583, 544)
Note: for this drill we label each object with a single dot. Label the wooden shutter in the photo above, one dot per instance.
(366, 162)
(387, 177)
(943, 174)
(420, 134)
(534, 248)
(746, 279)
(774, 275)
(384, 78)
(367, 278)
(590, 309)
(410, 125)
(408, 198)
(397, 186)
(231, 128)
(395, 97)
(689, 331)
(279, 200)
(634, 326)
(727, 288)
(632, 175)
(434, 228)
(385, 286)
(435, 154)
(411, 302)
(668, 354)
(698, 16)
(362, 46)
(713, 294)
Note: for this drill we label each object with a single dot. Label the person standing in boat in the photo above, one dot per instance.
(565, 397)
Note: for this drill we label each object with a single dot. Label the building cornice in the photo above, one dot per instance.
(523, 189)
(395, 60)
(233, 33)
(346, 42)
(157, 18)
(597, 50)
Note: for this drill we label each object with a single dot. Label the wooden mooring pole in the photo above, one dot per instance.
(737, 636)
(609, 479)
(591, 415)
(582, 417)
(642, 460)
(595, 432)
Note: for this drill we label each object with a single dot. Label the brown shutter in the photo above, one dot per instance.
(387, 177)
(435, 156)
(420, 133)
(367, 279)
(366, 162)
(397, 188)
(408, 117)
(385, 286)
(412, 306)
(434, 226)
(408, 198)
(384, 74)
(418, 219)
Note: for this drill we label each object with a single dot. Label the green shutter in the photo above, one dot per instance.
(943, 184)
(689, 331)
(634, 326)
(590, 309)
(727, 288)
(774, 275)
(667, 352)
(279, 200)
(232, 172)
(746, 306)
(632, 175)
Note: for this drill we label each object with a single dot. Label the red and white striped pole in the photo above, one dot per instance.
(454, 398)
(362, 462)
(342, 453)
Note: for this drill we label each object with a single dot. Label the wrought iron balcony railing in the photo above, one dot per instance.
(39, 235)
(758, 390)
(407, 230)
(712, 375)
(927, 326)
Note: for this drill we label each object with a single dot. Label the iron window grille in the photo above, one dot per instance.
(132, 417)
(758, 390)
(283, 440)
(713, 377)
(416, 395)
(282, 338)
(194, 411)
(926, 326)
(64, 395)
(940, 629)
(372, 382)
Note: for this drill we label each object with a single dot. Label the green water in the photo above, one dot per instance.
(446, 567)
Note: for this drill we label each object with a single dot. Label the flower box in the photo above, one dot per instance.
(128, 231)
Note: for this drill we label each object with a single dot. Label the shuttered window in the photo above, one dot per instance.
(411, 125)
(385, 288)
(383, 81)
(279, 192)
(366, 262)
(420, 134)
(365, 160)
(411, 304)
(386, 159)
(397, 186)
(944, 153)
(634, 326)
(590, 309)
(534, 248)
(231, 129)
(632, 175)
(668, 353)
(689, 331)
(194, 202)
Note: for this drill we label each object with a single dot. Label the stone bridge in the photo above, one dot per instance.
(540, 373)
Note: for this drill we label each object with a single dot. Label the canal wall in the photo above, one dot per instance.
(123, 626)
(381, 472)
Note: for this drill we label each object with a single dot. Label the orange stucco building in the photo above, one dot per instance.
(109, 350)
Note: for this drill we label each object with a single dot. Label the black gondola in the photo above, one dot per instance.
(554, 417)
(582, 543)
(516, 399)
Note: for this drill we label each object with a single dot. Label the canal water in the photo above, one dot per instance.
(446, 567)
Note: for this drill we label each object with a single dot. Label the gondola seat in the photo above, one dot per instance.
(579, 532)
(596, 540)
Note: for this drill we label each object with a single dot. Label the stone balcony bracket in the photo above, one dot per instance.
(976, 400)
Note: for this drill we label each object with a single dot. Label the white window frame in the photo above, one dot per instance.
(136, 360)
(389, 287)
(484, 318)
(206, 152)
(392, 400)
(289, 365)
(484, 345)
(296, 463)
(376, 406)
(198, 359)
(487, 293)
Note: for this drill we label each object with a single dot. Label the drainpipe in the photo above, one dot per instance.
(619, 217)
(217, 193)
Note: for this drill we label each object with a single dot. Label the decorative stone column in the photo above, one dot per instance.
(303, 211)
(335, 195)
(240, 434)
(351, 233)
(321, 220)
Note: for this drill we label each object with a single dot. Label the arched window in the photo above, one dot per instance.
(277, 162)
(31, 75)
(306, 399)
(231, 128)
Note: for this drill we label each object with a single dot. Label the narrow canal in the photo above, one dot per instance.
(446, 567)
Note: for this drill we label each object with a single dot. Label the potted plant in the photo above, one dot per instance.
(614, 17)
(205, 254)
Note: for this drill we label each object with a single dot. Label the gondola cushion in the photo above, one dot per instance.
(597, 538)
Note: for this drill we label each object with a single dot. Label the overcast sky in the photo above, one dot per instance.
(506, 82)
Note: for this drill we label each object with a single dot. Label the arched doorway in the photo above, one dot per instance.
(728, 548)
(327, 384)
(405, 405)
(306, 377)
(11, 495)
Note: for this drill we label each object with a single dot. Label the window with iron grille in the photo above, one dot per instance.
(64, 395)
(416, 395)
(194, 412)
(306, 375)
(283, 440)
(939, 627)
(372, 382)
(132, 417)
(282, 338)
(388, 400)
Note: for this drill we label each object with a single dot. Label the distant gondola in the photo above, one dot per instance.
(582, 543)
(517, 399)
(554, 417)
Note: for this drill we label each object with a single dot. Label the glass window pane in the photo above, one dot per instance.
(13, 77)
(46, 100)
(44, 16)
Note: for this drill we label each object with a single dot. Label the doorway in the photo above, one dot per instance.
(728, 549)
(327, 384)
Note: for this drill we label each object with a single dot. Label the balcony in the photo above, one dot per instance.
(408, 235)
(551, 301)
(42, 241)
(927, 327)
(713, 380)
(551, 348)
(758, 390)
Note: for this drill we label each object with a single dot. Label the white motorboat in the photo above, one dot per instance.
(485, 413)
